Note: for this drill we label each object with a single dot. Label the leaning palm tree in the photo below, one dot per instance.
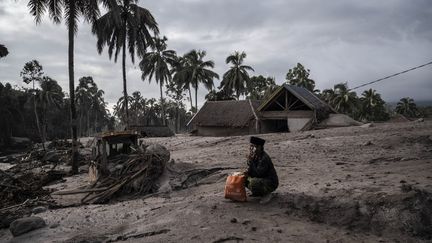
(3, 51)
(237, 77)
(72, 10)
(407, 107)
(125, 25)
(157, 64)
(197, 71)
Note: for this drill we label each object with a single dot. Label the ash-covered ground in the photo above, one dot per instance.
(354, 184)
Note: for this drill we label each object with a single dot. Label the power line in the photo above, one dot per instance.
(393, 75)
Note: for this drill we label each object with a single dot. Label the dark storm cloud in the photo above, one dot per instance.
(339, 40)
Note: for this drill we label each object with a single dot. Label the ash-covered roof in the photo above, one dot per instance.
(227, 113)
(303, 94)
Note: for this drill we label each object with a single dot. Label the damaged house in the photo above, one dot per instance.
(290, 108)
(226, 118)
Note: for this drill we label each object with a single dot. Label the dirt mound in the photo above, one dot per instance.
(408, 213)
(339, 120)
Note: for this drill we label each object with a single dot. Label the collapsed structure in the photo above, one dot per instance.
(290, 108)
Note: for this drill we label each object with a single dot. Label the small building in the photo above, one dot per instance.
(226, 118)
(291, 108)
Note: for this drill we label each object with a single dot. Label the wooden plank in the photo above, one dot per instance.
(285, 114)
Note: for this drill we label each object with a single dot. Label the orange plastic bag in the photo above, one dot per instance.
(235, 187)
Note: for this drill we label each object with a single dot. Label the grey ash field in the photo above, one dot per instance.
(353, 184)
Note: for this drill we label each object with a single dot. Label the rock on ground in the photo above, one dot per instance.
(39, 209)
(24, 225)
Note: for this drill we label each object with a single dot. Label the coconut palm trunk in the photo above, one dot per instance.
(162, 104)
(71, 28)
(124, 77)
(196, 97)
(190, 97)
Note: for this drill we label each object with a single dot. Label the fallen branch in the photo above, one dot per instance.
(79, 191)
(16, 206)
(137, 236)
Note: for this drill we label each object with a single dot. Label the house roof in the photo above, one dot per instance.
(303, 94)
(227, 113)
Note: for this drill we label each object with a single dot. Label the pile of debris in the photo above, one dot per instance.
(21, 189)
(21, 186)
(133, 174)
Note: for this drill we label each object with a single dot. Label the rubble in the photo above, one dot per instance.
(21, 186)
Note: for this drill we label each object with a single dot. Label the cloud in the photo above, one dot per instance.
(339, 41)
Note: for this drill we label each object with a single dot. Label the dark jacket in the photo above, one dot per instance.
(263, 168)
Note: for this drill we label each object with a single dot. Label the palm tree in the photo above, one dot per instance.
(299, 76)
(120, 108)
(50, 97)
(83, 99)
(137, 106)
(125, 24)
(195, 70)
(345, 101)
(179, 80)
(3, 51)
(372, 106)
(407, 107)
(97, 105)
(157, 63)
(237, 77)
(328, 96)
(72, 10)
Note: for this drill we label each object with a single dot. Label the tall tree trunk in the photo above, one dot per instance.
(88, 123)
(190, 97)
(196, 97)
(162, 104)
(37, 120)
(95, 123)
(74, 158)
(80, 132)
(177, 119)
(124, 77)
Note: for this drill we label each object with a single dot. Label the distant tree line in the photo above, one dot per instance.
(42, 111)
(368, 107)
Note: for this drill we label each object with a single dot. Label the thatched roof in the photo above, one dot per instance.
(227, 113)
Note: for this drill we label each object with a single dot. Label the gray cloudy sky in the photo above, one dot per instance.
(339, 40)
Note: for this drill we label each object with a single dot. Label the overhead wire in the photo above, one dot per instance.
(390, 76)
